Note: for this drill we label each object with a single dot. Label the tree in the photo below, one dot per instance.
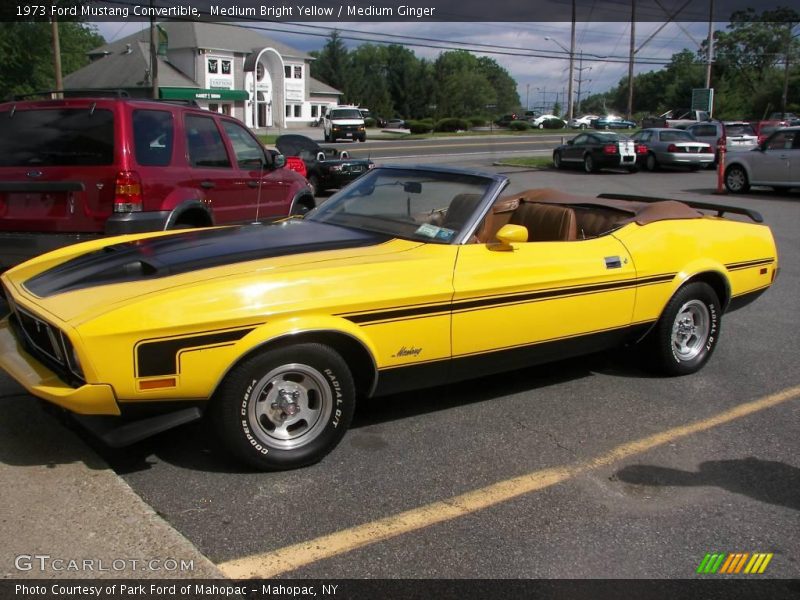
(332, 62)
(27, 54)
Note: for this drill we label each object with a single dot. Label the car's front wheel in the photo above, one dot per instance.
(687, 332)
(736, 180)
(541, 125)
(286, 407)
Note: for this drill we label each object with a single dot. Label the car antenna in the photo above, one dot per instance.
(258, 194)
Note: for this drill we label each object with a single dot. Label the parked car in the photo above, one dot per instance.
(613, 122)
(785, 117)
(763, 129)
(505, 120)
(326, 168)
(548, 121)
(673, 147)
(599, 150)
(677, 118)
(276, 330)
(583, 122)
(737, 136)
(396, 124)
(79, 168)
(774, 163)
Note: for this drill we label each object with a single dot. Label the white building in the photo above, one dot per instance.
(224, 68)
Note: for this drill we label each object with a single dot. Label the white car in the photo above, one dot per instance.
(583, 122)
(539, 121)
(774, 163)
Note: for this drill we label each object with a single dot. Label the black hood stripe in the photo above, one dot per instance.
(193, 250)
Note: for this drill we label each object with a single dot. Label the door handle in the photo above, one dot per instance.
(207, 185)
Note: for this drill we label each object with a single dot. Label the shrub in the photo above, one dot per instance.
(553, 124)
(519, 125)
(419, 126)
(369, 122)
(477, 121)
(452, 124)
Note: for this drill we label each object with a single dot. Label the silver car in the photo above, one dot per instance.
(673, 147)
(737, 135)
(775, 163)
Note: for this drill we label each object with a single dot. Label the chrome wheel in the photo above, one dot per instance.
(690, 330)
(588, 163)
(736, 180)
(290, 406)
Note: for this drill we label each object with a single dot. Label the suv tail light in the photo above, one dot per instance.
(128, 192)
(610, 149)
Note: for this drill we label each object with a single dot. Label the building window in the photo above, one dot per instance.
(287, 71)
(226, 67)
(314, 111)
(226, 109)
(298, 72)
(297, 110)
(213, 107)
(288, 110)
(213, 65)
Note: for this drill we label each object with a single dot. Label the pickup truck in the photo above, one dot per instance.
(678, 118)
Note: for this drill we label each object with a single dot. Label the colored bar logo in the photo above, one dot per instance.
(733, 563)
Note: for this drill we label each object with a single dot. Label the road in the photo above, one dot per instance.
(589, 468)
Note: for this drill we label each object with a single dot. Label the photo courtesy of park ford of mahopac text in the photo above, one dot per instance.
(166, 517)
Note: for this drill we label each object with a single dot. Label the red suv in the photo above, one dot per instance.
(78, 168)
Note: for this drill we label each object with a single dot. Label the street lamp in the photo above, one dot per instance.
(571, 68)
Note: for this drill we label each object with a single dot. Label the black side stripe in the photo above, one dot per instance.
(480, 302)
(160, 357)
(749, 264)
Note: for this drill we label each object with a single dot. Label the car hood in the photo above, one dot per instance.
(293, 145)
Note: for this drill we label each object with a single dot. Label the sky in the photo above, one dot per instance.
(540, 81)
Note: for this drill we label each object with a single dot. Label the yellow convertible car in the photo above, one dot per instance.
(409, 277)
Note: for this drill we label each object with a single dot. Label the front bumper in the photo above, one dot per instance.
(88, 399)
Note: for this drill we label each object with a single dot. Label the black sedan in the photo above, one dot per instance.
(599, 150)
(326, 167)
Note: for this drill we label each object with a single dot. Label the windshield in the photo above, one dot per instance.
(408, 203)
(346, 113)
(744, 129)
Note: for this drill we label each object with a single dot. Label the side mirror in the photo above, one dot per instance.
(279, 161)
(510, 235)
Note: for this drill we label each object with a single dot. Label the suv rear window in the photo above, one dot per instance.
(744, 129)
(56, 137)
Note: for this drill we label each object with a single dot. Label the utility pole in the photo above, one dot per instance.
(785, 95)
(527, 96)
(57, 58)
(710, 42)
(570, 108)
(580, 70)
(153, 51)
(630, 61)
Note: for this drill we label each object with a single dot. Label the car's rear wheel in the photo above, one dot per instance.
(651, 162)
(313, 180)
(557, 160)
(588, 164)
(687, 332)
(736, 180)
(286, 407)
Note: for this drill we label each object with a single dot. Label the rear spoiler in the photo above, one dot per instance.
(753, 215)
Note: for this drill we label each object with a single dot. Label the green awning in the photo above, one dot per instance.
(176, 93)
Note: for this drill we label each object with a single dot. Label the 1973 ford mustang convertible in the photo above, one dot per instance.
(408, 277)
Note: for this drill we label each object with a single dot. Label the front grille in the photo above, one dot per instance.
(48, 344)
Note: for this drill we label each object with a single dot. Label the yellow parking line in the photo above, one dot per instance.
(275, 562)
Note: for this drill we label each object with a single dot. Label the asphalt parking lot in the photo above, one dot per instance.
(588, 468)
